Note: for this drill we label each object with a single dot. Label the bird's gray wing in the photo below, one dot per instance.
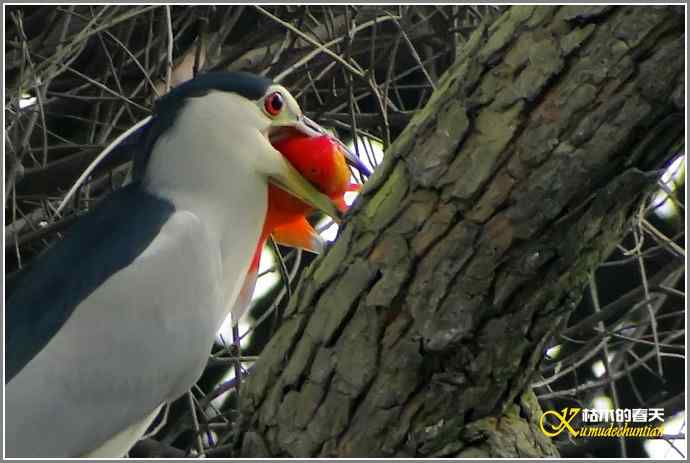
(119, 328)
(99, 244)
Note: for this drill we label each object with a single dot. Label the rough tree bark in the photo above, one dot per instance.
(418, 332)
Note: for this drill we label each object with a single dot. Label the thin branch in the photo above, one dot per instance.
(320, 47)
(171, 40)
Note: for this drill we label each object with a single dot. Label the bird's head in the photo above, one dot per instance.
(268, 117)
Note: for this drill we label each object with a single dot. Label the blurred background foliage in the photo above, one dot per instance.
(78, 76)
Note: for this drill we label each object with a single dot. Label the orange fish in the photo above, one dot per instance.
(321, 161)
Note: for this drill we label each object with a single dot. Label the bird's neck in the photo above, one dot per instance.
(198, 167)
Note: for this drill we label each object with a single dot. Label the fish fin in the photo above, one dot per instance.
(299, 234)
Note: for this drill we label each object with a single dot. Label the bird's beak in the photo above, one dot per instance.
(289, 179)
(310, 128)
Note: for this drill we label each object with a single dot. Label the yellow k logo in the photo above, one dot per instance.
(563, 420)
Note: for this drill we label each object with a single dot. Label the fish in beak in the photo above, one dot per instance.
(311, 149)
(322, 162)
(289, 180)
(315, 174)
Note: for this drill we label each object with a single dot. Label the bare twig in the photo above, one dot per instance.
(168, 19)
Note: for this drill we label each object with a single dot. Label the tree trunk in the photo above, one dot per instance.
(418, 332)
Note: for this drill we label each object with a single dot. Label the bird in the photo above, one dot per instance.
(118, 318)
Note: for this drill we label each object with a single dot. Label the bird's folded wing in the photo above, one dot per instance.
(98, 245)
(108, 326)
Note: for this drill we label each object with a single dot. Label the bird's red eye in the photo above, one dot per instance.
(274, 103)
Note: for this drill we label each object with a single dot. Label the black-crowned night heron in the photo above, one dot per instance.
(118, 318)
